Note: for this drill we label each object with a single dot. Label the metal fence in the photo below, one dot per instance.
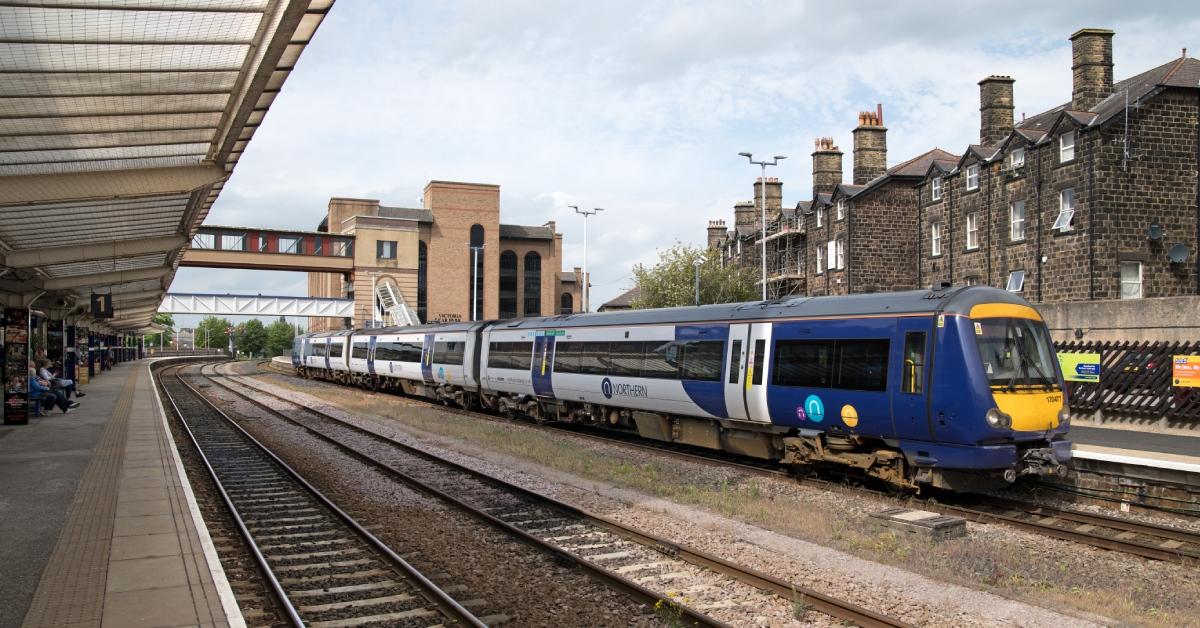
(1135, 380)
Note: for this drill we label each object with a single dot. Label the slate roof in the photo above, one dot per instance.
(523, 232)
(407, 213)
(914, 168)
(623, 301)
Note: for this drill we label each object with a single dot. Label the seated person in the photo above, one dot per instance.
(53, 375)
(40, 389)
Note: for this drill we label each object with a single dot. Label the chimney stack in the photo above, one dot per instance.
(827, 165)
(774, 196)
(716, 233)
(744, 214)
(870, 146)
(995, 109)
(1091, 67)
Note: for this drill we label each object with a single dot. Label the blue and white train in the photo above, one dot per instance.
(955, 387)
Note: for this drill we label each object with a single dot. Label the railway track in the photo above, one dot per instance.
(604, 547)
(324, 568)
(1112, 533)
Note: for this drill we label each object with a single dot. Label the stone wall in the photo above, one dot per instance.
(1168, 319)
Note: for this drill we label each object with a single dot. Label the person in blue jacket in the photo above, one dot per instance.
(39, 389)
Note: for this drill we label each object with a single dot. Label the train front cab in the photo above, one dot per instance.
(997, 409)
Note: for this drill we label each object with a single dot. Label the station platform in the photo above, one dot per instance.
(1177, 452)
(98, 524)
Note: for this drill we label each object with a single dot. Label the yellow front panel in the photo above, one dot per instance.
(1031, 411)
(1004, 310)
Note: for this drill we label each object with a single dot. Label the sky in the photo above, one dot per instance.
(638, 107)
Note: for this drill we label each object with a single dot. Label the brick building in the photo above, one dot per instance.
(1095, 199)
(424, 256)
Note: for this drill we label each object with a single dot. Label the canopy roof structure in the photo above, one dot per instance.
(120, 121)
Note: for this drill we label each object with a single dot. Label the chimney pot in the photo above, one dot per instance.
(827, 166)
(870, 147)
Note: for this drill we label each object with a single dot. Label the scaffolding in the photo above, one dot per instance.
(785, 253)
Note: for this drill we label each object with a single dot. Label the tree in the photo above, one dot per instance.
(168, 334)
(250, 337)
(213, 333)
(279, 337)
(672, 281)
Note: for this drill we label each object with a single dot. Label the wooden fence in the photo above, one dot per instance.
(1135, 380)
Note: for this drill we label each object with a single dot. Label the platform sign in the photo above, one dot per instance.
(1185, 371)
(1080, 367)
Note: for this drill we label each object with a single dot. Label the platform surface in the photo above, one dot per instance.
(1152, 449)
(98, 526)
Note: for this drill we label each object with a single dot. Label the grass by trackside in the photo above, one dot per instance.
(1002, 565)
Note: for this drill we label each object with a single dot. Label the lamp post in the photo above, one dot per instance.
(475, 281)
(763, 206)
(587, 279)
(697, 264)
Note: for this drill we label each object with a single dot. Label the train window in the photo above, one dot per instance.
(386, 352)
(410, 352)
(358, 351)
(594, 358)
(735, 359)
(862, 364)
(702, 360)
(626, 359)
(659, 360)
(499, 355)
(318, 348)
(335, 349)
(449, 352)
(520, 355)
(760, 350)
(914, 362)
(567, 357)
(807, 363)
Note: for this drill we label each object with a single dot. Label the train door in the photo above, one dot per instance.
(910, 392)
(543, 359)
(756, 378)
(371, 355)
(735, 374)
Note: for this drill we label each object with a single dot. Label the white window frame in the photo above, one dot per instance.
(972, 231)
(1066, 210)
(294, 245)
(1016, 281)
(1066, 147)
(973, 177)
(841, 208)
(1016, 221)
(204, 240)
(1016, 159)
(382, 249)
(841, 253)
(820, 261)
(238, 240)
(831, 255)
(935, 189)
(1140, 283)
(935, 239)
(820, 216)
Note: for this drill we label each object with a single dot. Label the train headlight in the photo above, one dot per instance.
(1064, 415)
(998, 419)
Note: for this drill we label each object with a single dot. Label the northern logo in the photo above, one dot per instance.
(606, 388)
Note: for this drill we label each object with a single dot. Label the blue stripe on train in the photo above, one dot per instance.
(709, 396)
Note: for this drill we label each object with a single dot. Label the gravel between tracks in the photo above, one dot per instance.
(453, 550)
(1059, 571)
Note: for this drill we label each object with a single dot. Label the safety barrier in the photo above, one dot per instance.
(1135, 381)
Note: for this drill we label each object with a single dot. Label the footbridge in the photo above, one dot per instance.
(255, 305)
(255, 248)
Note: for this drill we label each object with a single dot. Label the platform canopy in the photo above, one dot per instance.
(120, 121)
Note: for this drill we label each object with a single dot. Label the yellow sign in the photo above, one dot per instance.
(1080, 367)
(849, 415)
(1185, 371)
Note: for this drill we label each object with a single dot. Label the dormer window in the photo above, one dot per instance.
(1066, 147)
(841, 209)
(820, 216)
(1016, 159)
(935, 189)
(973, 177)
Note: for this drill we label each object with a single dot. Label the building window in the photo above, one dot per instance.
(289, 245)
(508, 285)
(973, 177)
(935, 189)
(1016, 221)
(1066, 147)
(935, 239)
(820, 260)
(262, 243)
(1016, 281)
(831, 255)
(972, 280)
(533, 284)
(422, 281)
(1131, 280)
(341, 248)
(1066, 210)
(841, 209)
(203, 241)
(385, 249)
(841, 253)
(972, 230)
(1016, 159)
(475, 282)
(233, 242)
(820, 215)
(566, 304)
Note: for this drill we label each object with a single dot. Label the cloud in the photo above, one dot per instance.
(640, 108)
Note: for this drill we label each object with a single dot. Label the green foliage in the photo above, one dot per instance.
(279, 338)
(213, 333)
(672, 282)
(250, 337)
(168, 334)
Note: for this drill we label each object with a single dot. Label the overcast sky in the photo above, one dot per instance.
(638, 107)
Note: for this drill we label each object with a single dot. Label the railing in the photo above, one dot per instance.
(1135, 381)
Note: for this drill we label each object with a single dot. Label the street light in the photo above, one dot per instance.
(587, 280)
(763, 205)
(697, 264)
(475, 280)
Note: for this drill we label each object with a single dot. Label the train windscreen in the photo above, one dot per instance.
(1016, 352)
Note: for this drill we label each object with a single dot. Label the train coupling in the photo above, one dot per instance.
(1049, 461)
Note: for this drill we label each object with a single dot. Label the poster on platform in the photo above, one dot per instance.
(1080, 367)
(1185, 371)
(16, 366)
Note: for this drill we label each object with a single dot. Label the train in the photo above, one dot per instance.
(954, 387)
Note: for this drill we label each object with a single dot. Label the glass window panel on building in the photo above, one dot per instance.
(935, 190)
(1066, 210)
(1016, 159)
(973, 177)
(533, 284)
(1016, 219)
(1131, 280)
(1016, 281)
(973, 230)
(935, 238)
(1066, 147)
(475, 263)
(233, 241)
(508, 285)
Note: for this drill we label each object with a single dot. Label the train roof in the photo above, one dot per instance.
(951, 300)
